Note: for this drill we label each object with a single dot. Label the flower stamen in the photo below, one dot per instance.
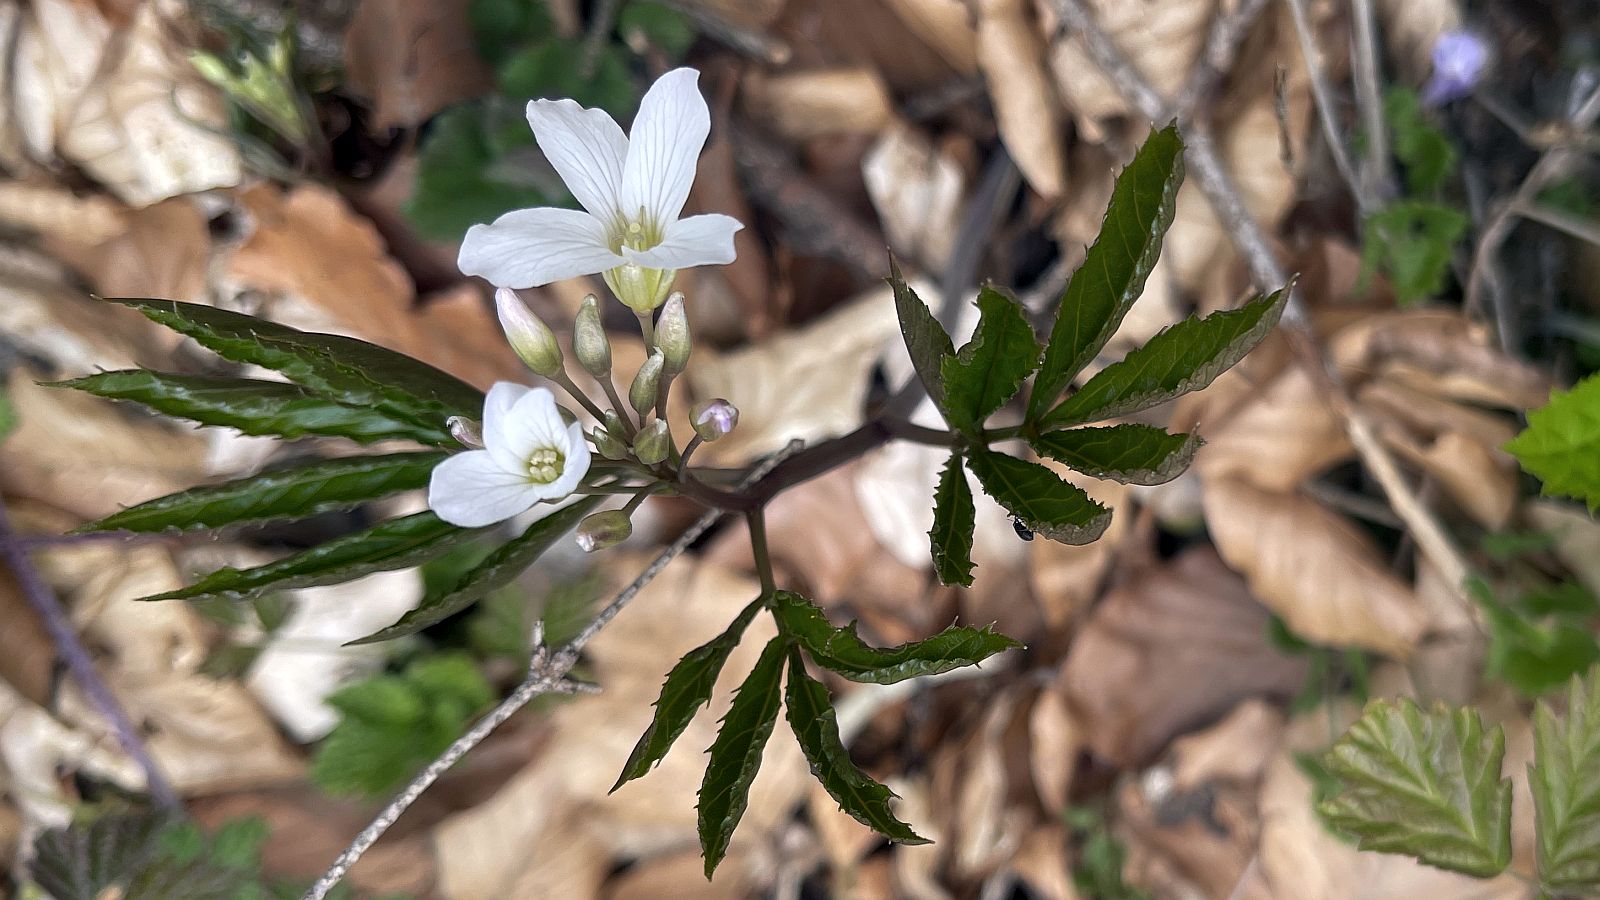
(545, 465)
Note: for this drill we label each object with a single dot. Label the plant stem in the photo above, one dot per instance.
(758, 548)
(623, 411)
(565, 382)
(647, 326)
(683, 461)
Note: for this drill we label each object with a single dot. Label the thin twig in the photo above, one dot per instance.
(1323, 98)
(1227, 33)
(1376, 177)
(547, 674)
(44, 602)
(601, 21)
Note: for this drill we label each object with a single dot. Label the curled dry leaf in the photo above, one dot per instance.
(1172, 648)
(974, 781)
(412, 58)
(1054, 742)
(1313, 568)
(1236, 749)
(1437, 352)
(1011, 54)
(1483, 481)
(27, 654)
(946, 26)
(1274, 436)
(917, 191)
(681, 875)
(1185, 843)
(1041, 863)
(48, 317)
(810, 104)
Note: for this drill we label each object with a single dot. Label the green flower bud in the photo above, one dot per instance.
(672, 334)
(652, 443)
(642, 394)
(604, 529)
(714, 418)
(589, 340)
(641, 289)
(529, 336)
(608, 444)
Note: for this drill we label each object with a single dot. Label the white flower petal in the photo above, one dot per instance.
(577, 466)
(533, 424)
(696, 241)
(531, 247)
(664, 147)
(587, 149)
(472, 489)
(503, 395)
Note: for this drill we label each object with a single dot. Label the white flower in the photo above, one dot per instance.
(633, 190)
(530, 454)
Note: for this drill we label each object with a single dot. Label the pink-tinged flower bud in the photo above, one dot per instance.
(589, 341)
(652, 443)
(604, 529)
(714, 418)
(642, 393)
(672, 334)
(527, 333)
(467, 432)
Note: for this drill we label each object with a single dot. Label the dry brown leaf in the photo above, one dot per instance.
(1432, 415)
(1577, 537)
(1171, 649)
(1235, 749)
(53, 210)
(1043, 863)
(161, 250)
(1313, 568)
(48, 317)
(1410, 28)
(1483, 481)
(1275, 437)
(412, 58)
(803, 105)
(1437, 352)
(974, 781)
(27, 654)
(680, 876)
(916, 867)
(1054, 742)
(917, 192)
(946, 26)
(1186, 843)
(1067, 577)
(1011, 54)
(845, 841)
(120, 102)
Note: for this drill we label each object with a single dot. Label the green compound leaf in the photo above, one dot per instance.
(688, 687)
(352, 372)
(1180, 359)
(816, 727)
(497, 570)
(1114, 269)
(926, 340)
(1426, 784)
(736, 753)
(1561, 444)
(292, 493)
(394, 544)
(841, 649)
(991, 367)
(1131, 454)
(954, 518)
(1039, 498)
(1565, 778)
(82, 862)
(252, 406)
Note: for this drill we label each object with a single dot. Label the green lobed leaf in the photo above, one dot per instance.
(926, 340)
(497, 570)
(1185, 357)
(352, 372)
(1565, 779)
(1561, 444)
(82, 861)
(1131, 454)
(816, 726)
(841, 649)
(1411, 242)
(954, 518)
(393, 544)
(1039, 498)
(253, 406)
(991, 367)
(1426, 784)
(1530, 655)
(291, 493)
(736, 753)
(1115, 267)
(688, 687)
(460, 181)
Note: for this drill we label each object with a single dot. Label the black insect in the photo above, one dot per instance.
(1023, 531)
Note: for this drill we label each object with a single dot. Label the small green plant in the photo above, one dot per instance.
(1561, 444)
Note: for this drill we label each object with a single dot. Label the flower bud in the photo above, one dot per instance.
(642, 394)
(608, 444)
(604, 529)
(652, 443)
(714, 418)
(641, 289)
(589, 340)
(467, 432)
(529, 336)
(672, 334)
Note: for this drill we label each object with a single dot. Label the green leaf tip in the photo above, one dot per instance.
(736, 753)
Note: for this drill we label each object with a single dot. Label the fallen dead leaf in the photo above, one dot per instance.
(946, 26)
(974, 781)
(800, 106)
(412, 58)
(917, 191)
(1410, 28)
(1437, 352)
(1011, 54)
(1577, 537)
(1275, 436)
(1054, 742)
(1236, 749)
(162, 250)
(27, 654)
(1043, 864)
(680, 876)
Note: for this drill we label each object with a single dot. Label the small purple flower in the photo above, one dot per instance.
(1459, 61)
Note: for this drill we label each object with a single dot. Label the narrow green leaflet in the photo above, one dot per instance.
(736, 753)
(497, 570)
(392, 544)
(1180, 359)
(292, 493)
(953, 520)
(926, 340)
(1424, 783)
(253, 406)
(1561, 444)
(1039, 498)
(816, 727)
(1131, 454)
(991, 367)
(353, 372)
(1565, 778)
(1115, 267)
(688, 687)
(841, 649)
